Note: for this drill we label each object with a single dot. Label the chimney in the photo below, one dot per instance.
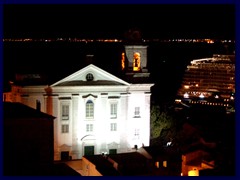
(89, 59)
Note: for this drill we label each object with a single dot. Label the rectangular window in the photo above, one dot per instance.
(137, 112)
(89, 128)
(65, 128)
(136, 133)
(65, 112)
(113, 110)
(113, 127)
(89, 109)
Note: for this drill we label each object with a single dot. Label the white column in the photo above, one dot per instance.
(54, 103)
(75, 123)
(124, 123)
(146, 129)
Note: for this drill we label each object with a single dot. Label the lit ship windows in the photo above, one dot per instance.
(201, 96)
(186, 95)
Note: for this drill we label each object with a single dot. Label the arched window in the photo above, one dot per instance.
(89, 109)
(136, 61)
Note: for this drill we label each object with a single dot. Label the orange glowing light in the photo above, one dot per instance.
(123, 61)
(136, 62)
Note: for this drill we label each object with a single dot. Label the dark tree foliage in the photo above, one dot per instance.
(162, 125)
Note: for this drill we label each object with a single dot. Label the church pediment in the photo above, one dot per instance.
(90, 75)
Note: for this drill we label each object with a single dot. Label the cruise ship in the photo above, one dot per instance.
(209, 81)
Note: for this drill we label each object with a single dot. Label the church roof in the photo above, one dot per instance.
(88, 83)
(90, 75)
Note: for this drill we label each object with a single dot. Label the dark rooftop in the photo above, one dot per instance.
(18, 110)
(131, 164)
(103, 165)
(128, 157)
(154, 150)
(169, 152)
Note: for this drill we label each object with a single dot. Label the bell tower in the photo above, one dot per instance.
(134, 57)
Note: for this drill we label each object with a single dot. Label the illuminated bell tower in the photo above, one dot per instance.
(134, 57)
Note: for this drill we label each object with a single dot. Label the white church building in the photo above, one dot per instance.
(96, 112)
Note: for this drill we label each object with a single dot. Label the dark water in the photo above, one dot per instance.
(166, 61)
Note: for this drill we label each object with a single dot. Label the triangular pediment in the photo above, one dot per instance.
(90, 75)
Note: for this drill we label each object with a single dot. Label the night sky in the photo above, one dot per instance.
(112, 21)
(108, 21)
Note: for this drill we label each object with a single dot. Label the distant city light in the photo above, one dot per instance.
(117, 40)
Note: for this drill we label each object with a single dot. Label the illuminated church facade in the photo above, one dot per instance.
(96, 112)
